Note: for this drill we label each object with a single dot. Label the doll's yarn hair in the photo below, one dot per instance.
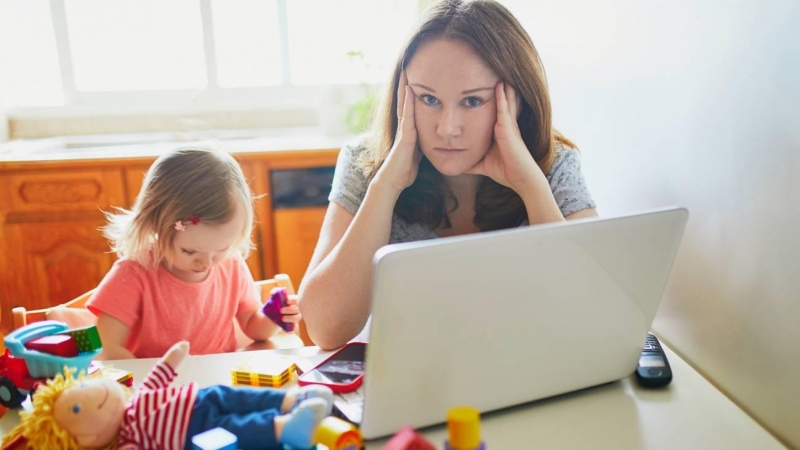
(39, 426)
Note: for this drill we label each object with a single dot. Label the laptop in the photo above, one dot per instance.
(503, 318)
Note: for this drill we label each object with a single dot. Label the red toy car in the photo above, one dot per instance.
(15, 381)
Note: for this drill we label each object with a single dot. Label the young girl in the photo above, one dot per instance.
(463, 142)
(181, 273)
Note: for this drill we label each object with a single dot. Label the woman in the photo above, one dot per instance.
(462, 143)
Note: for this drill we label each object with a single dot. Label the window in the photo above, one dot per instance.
(29, 69)
(330, 44)
(125, 45)
(120, 56)
(247, 43)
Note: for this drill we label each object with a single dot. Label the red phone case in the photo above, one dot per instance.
(339, 388)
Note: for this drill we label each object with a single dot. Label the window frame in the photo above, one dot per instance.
(212, 99)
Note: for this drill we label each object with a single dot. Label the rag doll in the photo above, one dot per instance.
(98, 413)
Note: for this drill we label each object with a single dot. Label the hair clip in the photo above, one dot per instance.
(180, 226)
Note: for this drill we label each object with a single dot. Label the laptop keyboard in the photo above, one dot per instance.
(351, 405)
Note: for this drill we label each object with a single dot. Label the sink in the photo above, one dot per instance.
(71, 144)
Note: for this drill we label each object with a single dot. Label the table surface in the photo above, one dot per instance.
(689, 414)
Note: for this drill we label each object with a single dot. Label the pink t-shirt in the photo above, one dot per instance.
(161, 310)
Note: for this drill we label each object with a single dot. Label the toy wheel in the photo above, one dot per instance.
(10, 396)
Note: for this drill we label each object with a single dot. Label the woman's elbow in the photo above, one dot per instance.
(321, 332)
(327, 344)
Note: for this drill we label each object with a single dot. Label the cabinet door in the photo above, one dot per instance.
(299, 203)
(51, 248)
(52, 263)
(296, 235)
(134, 177)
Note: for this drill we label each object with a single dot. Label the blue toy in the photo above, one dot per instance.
(214, 439)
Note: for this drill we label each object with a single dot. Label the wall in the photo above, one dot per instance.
(698, 104)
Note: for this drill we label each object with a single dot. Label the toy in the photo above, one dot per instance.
(59, 345)
(337, 434)
(408, 439)
(22, 369)
(278, 299)
(464, 429)
(70, 413)
(263, 371)
(215, 439)
(122, 377)
(87, 338)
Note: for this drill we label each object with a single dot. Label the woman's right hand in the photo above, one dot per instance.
(400, 168)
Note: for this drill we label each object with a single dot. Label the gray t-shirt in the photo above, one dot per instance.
(565, 178)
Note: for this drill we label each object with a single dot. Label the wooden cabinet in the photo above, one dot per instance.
(51, 248)
(297, 230)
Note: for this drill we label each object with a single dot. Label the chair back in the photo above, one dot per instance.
(21, 316)
(283, 280)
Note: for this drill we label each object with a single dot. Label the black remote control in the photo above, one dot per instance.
(653, 369)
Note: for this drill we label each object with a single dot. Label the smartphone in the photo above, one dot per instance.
(342, 372)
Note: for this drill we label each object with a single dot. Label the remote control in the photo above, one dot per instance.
(653, 369)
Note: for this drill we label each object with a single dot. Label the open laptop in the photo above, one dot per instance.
(502, 318)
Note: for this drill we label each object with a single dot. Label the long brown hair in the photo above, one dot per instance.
(501, 41)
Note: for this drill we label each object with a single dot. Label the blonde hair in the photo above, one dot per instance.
(496, 35)
(39, 427)
(189, 182)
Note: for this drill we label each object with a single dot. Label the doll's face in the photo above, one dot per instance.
(91, 411)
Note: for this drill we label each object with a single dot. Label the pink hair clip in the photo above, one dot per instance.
(180, 226)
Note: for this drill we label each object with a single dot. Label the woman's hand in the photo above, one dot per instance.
(508, 160)
(400, 168)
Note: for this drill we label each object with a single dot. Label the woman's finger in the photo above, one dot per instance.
(513, 102)
(407, 119)
(503, 115)
(401, 95)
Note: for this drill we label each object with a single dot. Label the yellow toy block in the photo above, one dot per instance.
(265, 371)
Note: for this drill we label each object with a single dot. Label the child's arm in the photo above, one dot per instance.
(259, 327)
(252, 321)
(255, 324)
(113, 335)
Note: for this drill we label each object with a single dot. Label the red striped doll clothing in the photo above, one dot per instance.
(158, 414)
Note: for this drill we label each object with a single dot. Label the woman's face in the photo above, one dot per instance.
(455, 109)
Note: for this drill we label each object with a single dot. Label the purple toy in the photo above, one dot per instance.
(272, 309)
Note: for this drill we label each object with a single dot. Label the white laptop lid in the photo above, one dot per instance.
(502, 318)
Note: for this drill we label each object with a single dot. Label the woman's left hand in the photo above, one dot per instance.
(508, 160)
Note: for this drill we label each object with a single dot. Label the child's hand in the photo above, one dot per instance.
(176, 354)
(291, 312)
